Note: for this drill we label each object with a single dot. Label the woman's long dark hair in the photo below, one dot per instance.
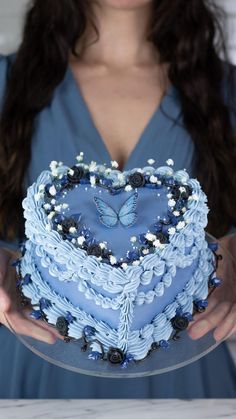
(187, 34)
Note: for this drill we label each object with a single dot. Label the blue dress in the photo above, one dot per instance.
(63, 129)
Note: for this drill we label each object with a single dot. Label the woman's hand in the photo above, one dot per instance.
(12, 314)
(221, 311)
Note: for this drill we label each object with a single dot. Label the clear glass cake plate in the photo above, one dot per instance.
(180, 353)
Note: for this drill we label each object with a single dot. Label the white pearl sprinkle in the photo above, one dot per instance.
(133, 239)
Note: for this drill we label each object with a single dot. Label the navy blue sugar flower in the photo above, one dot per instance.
(157, 227)
(27, 279)
(213, 246)
(89, 331)
(164, 344)
(215, 282)
(133, 255)
(44, 303)
(169, 181)
(106, 182)
(200, 305)
(36, 314)
(142, 239)
(128, 358)
(69, 317)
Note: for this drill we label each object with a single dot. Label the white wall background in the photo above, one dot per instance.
(12, 11)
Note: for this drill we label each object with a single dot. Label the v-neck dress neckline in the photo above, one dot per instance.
(88, 125)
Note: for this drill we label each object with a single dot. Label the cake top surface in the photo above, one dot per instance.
(119, 218)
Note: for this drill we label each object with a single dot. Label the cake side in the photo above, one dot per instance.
(129, 296)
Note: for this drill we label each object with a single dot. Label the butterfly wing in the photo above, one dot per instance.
(107, 215)
(127, 213)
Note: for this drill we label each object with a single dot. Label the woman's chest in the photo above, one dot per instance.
(66, 127)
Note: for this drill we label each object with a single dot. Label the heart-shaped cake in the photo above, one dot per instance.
(116, 260)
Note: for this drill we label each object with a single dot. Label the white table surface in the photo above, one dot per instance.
(114, 409)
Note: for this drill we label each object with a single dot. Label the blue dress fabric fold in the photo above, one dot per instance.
(62, 130)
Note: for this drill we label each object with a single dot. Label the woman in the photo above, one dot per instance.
(151, 85)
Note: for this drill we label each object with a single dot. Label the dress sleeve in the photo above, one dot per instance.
(4, 65)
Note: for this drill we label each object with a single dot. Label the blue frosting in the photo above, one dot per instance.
(131, 306)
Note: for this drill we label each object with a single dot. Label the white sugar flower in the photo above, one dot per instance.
(176, 213)
(93, 180)
(80, 240)
(171, 230)
(171, 203)
(80, 157)
(133, 239)
(65, 206)
(59, 227)
(180, 225)
(136, 262)
(128, 188)
(51, 215)
(112, 260)
(170, 162)
(53, 201)
(72, 230)
(156, 243)
(41, 188)
(184, 209)
(102, 245)
(151, 161)
(169, 195)
(53, 165)
(153, 179)
(92, 166)
(47, 206)
(114, 164)
(145, 251)
(151, 237)
(38, 196)
(124, 265)
(52, 190)
(71, 172)
(58, 208)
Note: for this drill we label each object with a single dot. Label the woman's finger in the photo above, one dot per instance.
(21, 325)
(201, 327)
(43, 324)
(226, 326)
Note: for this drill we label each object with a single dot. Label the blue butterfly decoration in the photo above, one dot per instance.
(127, 214)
